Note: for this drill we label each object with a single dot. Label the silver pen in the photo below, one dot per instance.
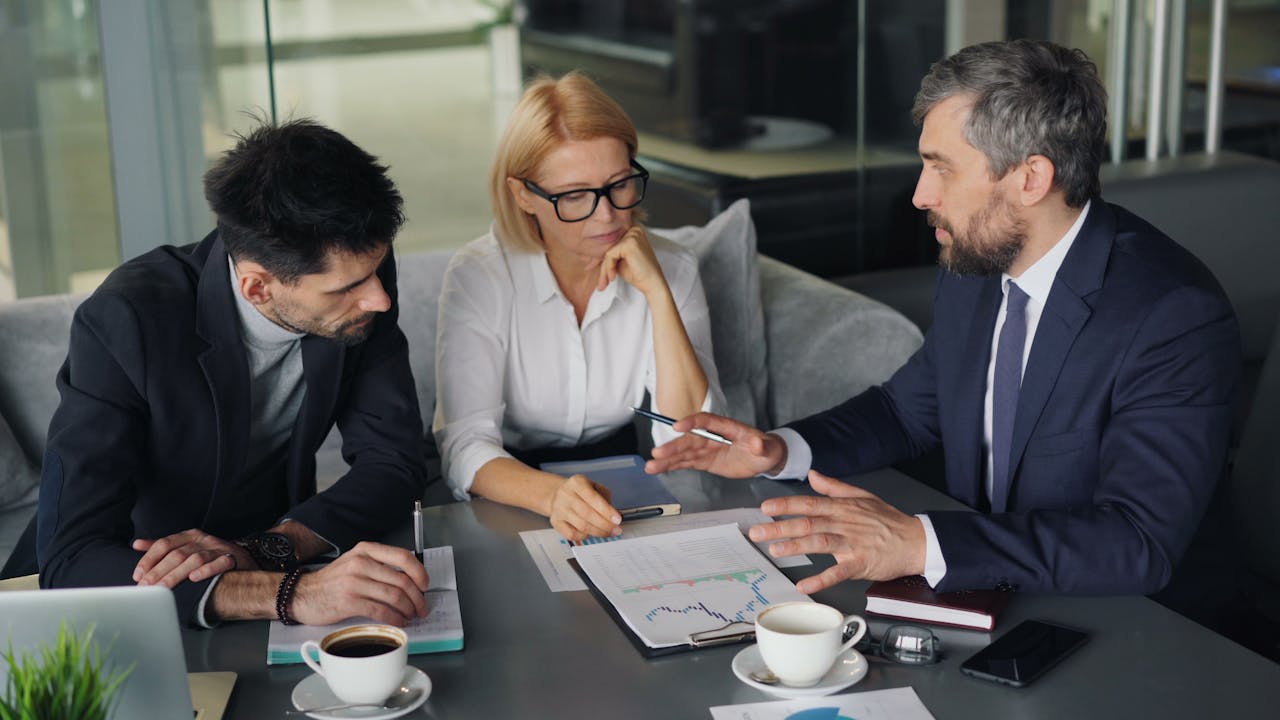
(417, 529)
(670, 421)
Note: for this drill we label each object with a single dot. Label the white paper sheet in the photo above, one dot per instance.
(893, 704)
(551, 552)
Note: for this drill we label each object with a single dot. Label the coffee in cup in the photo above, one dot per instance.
(361, 663)
(800, 641)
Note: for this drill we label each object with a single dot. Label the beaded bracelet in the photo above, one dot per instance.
(284, 596)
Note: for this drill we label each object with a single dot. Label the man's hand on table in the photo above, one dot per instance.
(372, 580)
(868, 538)
(196, 555)
(193, 555)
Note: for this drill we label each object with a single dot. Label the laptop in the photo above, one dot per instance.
(132, 625)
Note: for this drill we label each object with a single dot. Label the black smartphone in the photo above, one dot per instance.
(1024, 653)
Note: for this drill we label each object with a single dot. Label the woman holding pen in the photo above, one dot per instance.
(565, 315)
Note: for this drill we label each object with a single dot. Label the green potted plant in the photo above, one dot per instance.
(66, 681)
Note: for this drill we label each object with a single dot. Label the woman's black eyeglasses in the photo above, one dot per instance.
(578, 205)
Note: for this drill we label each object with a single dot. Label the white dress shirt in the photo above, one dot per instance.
(514, 368)
(1036, 281)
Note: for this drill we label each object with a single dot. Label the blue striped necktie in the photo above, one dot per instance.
(1004, 396)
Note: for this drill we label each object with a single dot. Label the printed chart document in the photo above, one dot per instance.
(894, 704)
(439, 631)
(551, 552)
(670, 587)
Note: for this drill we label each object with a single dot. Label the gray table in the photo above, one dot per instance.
(533, 653)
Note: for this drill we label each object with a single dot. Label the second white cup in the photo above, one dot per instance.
(800, 641)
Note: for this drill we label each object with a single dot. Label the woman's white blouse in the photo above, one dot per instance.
(514, 369)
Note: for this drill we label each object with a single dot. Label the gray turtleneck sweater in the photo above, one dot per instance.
(275, 382)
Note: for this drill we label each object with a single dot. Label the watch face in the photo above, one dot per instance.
(276, 546)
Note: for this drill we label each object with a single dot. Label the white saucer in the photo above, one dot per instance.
(314, 692)
(849, 668)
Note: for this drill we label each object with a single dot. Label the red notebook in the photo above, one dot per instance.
(911, 598)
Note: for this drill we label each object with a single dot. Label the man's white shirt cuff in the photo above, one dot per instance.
(204, 601)
(799, 456)
(935, 566)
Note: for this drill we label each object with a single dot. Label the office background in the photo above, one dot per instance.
(799, 104)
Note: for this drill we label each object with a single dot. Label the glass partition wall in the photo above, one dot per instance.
(111, 111)
(57, 213)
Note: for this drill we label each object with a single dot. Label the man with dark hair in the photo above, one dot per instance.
(1093, 465)
(201, 380)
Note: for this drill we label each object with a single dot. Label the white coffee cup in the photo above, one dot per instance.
(361, 663)
(800, 641)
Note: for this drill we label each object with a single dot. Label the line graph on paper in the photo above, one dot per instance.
(669, 586)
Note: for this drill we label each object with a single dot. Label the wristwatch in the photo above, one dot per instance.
(270, 550)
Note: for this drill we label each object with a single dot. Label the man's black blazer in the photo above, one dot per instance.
(152, 430)
(1122, 426)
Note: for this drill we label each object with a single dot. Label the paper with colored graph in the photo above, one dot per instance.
(668, 587)
(894, 704)
(551, 552)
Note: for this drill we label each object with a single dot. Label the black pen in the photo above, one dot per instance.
(641, 514)
(670, 421)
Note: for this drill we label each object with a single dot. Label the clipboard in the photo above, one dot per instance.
(733, 634)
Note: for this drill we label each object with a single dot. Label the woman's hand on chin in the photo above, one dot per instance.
(632, 258)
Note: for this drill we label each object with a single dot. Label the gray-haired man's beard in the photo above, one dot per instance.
(989, 245)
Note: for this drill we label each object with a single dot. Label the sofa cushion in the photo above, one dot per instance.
(19, 477)
(420, 277)
(41, 328)
(726, 251)
(838, 343)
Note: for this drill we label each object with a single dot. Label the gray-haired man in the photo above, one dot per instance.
(1079, 375)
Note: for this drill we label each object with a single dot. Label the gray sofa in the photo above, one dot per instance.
(787, 344)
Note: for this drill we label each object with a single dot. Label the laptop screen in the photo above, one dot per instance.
(131, 625)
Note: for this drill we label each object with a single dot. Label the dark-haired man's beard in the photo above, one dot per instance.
(349, 332)
(354, 331)
(990, 243)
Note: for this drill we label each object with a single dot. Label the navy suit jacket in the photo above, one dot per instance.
(152, 431)
(1122, 426)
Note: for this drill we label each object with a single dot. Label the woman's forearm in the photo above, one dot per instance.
(680, 383)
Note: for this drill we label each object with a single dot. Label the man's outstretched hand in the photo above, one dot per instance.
(869, 538)
(753, 452)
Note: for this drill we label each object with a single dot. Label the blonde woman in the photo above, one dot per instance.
(565, 315)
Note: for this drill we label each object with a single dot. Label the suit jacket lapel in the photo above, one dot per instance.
(972, 393)
(1065, 314)
(225, 366)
